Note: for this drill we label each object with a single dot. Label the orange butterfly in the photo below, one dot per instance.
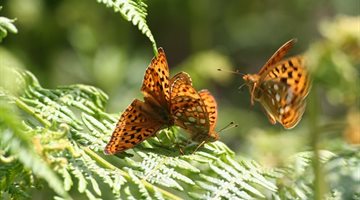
(167, 102)
(281, 87)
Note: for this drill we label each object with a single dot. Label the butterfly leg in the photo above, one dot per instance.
(201, 144)
(252, 94)
(181, 150)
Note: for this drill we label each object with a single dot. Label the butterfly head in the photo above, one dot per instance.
(253, 82)
(213, 136)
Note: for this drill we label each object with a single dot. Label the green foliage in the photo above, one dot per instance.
(342, 172)
(16, 147)
(5, 26)
(55, 137)
(335, 61)
(69, 130)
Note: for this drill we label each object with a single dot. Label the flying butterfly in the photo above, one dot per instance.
(281, 87)
(167, 102)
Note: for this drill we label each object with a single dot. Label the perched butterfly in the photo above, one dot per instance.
(281, 87)
(167, 102)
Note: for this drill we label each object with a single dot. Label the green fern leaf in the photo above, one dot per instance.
(299, 175)
(17, 143)
(6, 25)
(72, 130)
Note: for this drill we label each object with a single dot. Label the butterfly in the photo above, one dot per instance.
(167, 102)
(281, 87)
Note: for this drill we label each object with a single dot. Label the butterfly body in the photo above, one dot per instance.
(253, 81)
(281, 87)
(167, 102)
(161, 114)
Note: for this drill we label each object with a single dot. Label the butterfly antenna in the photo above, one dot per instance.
(232, 72)
(229, 126)
(241, 86)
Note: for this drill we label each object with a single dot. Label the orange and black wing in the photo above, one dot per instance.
(275, 58)
(293, 73)
(281, 103)
(187, 107)
(285, 89)
(211, 109)
(135, 125)
(156, 86)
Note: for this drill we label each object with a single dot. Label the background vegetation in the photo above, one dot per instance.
(54, 120)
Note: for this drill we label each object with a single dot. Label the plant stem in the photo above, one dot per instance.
(155, 48)
(23, 106)
(313, 109)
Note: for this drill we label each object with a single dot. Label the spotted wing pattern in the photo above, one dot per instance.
(143, 119)
(275, 58)
(134, 126)
(211, 109)
(285, 89)
(292, 73)
(281, 104)
(155, 85)
(189, 109)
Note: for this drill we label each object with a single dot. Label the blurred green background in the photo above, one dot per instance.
(70, 42)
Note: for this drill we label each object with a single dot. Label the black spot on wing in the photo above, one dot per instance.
(290, 75)
(291, 64)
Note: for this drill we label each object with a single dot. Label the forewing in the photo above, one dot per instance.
(211, 107)
(135, 125)
(155, 85)
(183, 77)
(293, 73)
(275, 58)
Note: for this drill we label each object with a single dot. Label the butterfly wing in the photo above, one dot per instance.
(293, 73)
(275, 58)
(287, 84)
(282, 103)
(182, 91)
(155, 87)
(211, 109)
(135, 125)
(183, 77)
(187, 107)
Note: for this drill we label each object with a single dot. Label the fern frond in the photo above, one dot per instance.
(233, 181)
(72, 129)
(298, 178)
(135, 12)
(16, 143)
(6, 25)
